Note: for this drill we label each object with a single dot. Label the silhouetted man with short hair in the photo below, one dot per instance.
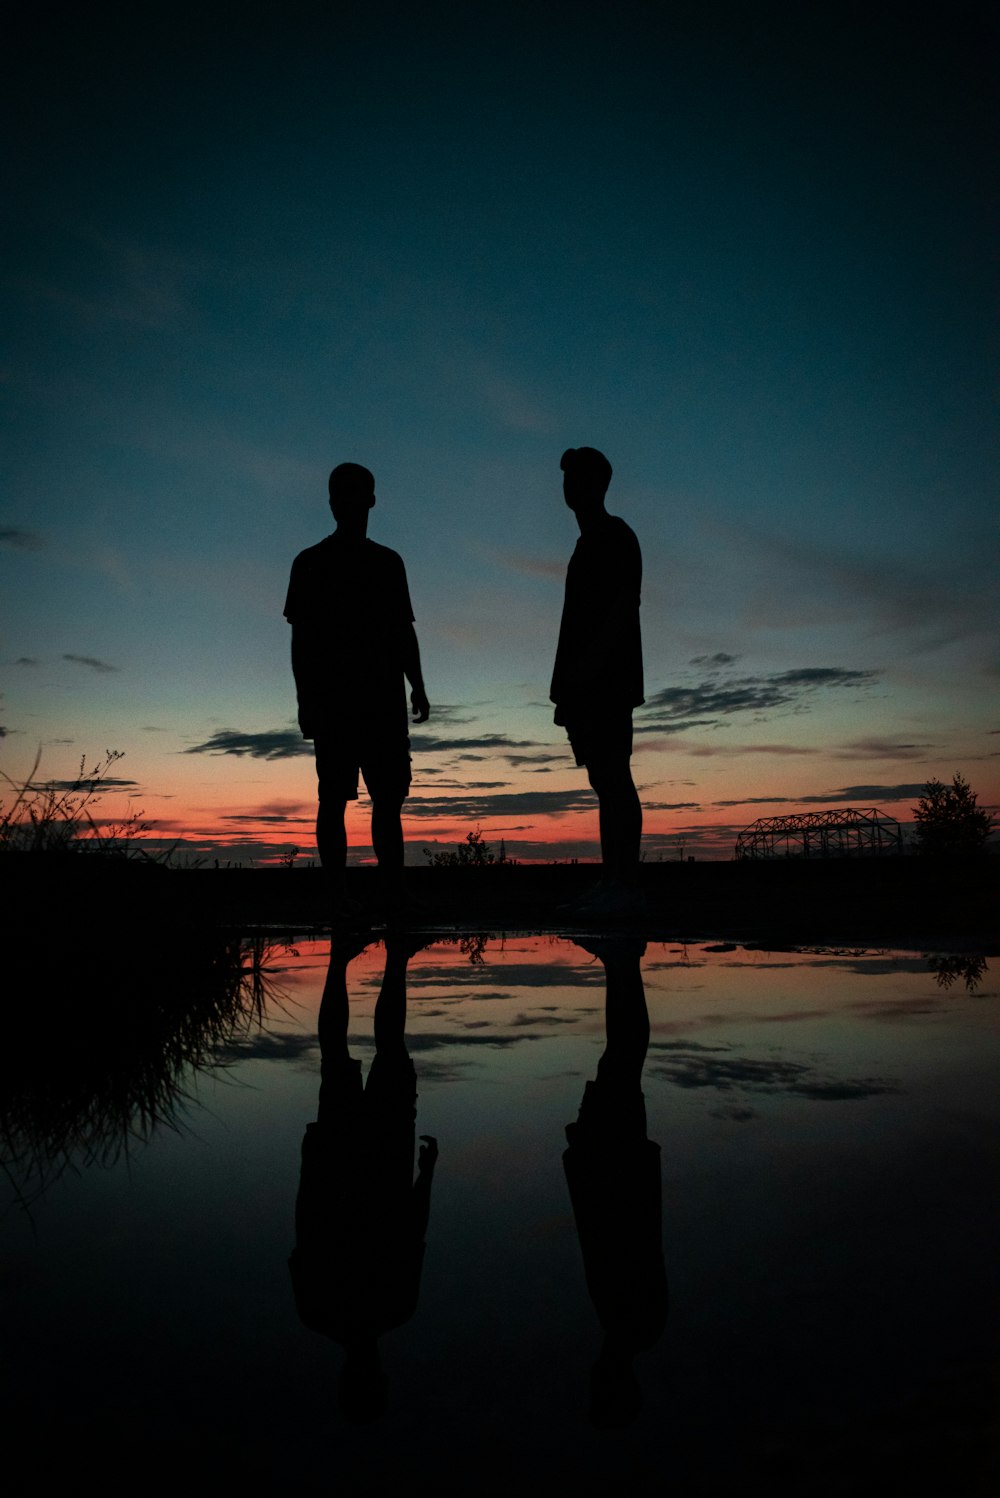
(597, 680)
(353, 642)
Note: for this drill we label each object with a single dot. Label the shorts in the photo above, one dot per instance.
(386, 1103)
(611, 1114)
(391, 1090)
(383, 760)
(600, 738)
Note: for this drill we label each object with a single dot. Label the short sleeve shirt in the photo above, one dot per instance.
(350, 606)
(599, 655)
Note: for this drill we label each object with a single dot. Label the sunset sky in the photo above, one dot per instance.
(743, 249)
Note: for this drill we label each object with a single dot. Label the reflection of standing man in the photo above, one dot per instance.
(352, 643)
(597, 679)
(360, 1218)
(613, 1173)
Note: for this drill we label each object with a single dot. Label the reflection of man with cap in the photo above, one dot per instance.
(597, 680)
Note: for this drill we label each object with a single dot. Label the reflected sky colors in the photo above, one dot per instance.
(743, 251)
(828, 1134)
(741, 1032)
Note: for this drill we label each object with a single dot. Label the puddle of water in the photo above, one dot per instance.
(821, 1130)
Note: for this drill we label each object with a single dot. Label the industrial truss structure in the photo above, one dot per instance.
(821, 834)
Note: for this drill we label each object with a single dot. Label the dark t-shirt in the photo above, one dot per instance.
(349, 606)
(599, 655)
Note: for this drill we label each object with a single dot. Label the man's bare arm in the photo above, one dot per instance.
(304, 671)
(301, 656)
(414, 675)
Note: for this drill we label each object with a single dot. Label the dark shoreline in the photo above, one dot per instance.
(898, 902)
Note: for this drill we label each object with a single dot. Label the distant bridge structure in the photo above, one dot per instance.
(838, 833)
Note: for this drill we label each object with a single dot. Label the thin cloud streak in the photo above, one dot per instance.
(503, 804)
(108, 783)
(18, 539)
(881, 748)
(493, 741)
(270, 744)
(92, 662)
(846, 793)
(533, 566)
(691, 1065)
(757, 694)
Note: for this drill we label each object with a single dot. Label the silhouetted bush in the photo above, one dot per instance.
(475, 852)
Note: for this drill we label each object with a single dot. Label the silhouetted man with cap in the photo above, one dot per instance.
(352, 643)
(597, 680)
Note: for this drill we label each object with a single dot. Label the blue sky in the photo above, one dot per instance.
(743, 250)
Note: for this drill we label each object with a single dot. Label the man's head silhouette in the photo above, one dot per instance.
(586, 476)
(352, 492)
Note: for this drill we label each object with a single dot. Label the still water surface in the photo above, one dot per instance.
(827, 1139)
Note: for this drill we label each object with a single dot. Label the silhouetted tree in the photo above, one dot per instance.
(948, 819)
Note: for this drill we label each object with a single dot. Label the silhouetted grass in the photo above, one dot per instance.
(56, 817)
(105, 1038)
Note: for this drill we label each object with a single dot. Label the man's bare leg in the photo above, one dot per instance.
(387, 841)
(334, 1012)
(621, 824)
(620, 812)
(331, 837)
(390, 1007)
(331, 843)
